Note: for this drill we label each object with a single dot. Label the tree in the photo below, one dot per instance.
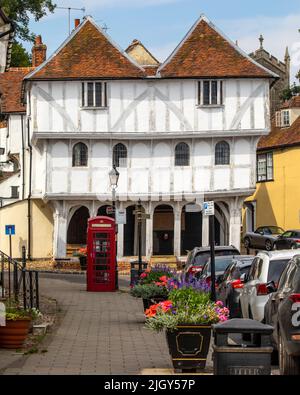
(290, 92)
(20, 11)
(19, 56)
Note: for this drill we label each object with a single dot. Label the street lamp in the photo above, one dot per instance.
(113, 179)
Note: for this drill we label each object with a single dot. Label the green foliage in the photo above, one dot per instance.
(189, 299)
(290, 92)
(154, 276)
(19, 11)
(148, 291)
(19, 56)
(14, 312)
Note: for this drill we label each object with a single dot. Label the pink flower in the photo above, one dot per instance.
(143, 275)
(219, 303)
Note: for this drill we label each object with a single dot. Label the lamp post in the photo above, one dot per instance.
(113, 179)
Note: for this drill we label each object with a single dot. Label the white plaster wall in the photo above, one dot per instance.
(149, 106)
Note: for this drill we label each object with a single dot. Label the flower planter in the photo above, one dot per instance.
(189, 346)
(83, 262)
(14, 333)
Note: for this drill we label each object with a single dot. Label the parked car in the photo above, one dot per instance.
(232, 282)
(289, 239)
(221, 264)
(266, 269)
(263, 238)
(282, 311)
(198, 257)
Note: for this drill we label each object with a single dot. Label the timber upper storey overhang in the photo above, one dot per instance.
(205, 52)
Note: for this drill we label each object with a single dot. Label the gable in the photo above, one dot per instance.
(205, 52)
(88, 53)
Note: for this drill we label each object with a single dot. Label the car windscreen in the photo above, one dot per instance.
(276, 268)
(202, 257)
(275, 230)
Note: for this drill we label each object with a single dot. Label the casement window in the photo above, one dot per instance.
(94, 94)
(15, 192)
(80, 155)
(210, 93)
(182, 155)
(278, 119)
(285, 118)
(222, 153)
(265, 170)
(120, 155)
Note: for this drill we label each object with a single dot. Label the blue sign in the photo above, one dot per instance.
(10, 230)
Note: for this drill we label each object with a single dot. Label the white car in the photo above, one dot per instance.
(266, 268)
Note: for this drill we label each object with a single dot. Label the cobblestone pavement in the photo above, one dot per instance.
(97, 333)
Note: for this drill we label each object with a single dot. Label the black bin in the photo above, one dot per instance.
(134, 272)
(242, 347)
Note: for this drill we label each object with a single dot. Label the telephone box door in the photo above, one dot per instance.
(101, 252)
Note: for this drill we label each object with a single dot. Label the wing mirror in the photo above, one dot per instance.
(271, 287)
(243, 278)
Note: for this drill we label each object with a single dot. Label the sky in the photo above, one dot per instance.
(162, 24)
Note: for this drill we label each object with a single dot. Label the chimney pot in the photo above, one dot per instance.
(38, 40)
(77, 23)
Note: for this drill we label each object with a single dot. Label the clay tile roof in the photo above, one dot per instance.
(281, 137)
(206, 52)
(294, 102)
(88, 53)
(11, 89)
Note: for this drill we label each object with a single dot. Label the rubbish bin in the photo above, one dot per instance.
(134, 271)
(234, 356)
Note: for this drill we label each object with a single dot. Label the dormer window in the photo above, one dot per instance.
(94, 95)
(283, 118)
(210, 93)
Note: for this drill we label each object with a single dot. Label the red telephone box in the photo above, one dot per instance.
(101, 255)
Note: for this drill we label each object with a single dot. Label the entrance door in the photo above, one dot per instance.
(163, 230)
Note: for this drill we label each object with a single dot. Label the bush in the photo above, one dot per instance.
(148, 291)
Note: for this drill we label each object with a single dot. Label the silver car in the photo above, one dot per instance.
(263, 238)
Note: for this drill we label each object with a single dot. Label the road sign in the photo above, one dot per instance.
(121, 217)
(10, 230)
(193, 208)
(209, 208)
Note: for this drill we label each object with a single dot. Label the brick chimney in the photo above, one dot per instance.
(77, 23)
(39, 52)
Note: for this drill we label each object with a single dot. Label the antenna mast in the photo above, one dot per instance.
(69, 12)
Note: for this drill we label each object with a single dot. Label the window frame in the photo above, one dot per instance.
(116, 162)
(265, 177)
(283, 114)
(81, 165)
(96, 104)
(187, 160)
(229, 153)
(219, 86)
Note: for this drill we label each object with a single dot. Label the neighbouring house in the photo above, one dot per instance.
(282, 69)
(277, 196)
(31, 217)
(178, 132)
(6, 38)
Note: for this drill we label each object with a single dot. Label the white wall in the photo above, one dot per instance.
(160, 106)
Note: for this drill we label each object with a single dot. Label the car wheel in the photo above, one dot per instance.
(269, 245)
(288, 365)
(247, 243)
(294, 247)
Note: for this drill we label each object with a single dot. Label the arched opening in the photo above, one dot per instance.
(222, 153)
(182, 155)
(163, 230)
(120, 155)
(77, 230)
(80, 155)
(102, 211)
(191, 231)
(221, 225)
(131, 233)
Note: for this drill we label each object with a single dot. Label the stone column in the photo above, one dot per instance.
(205, 231)
(177, 230)
(235, 209)
(60, 231)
